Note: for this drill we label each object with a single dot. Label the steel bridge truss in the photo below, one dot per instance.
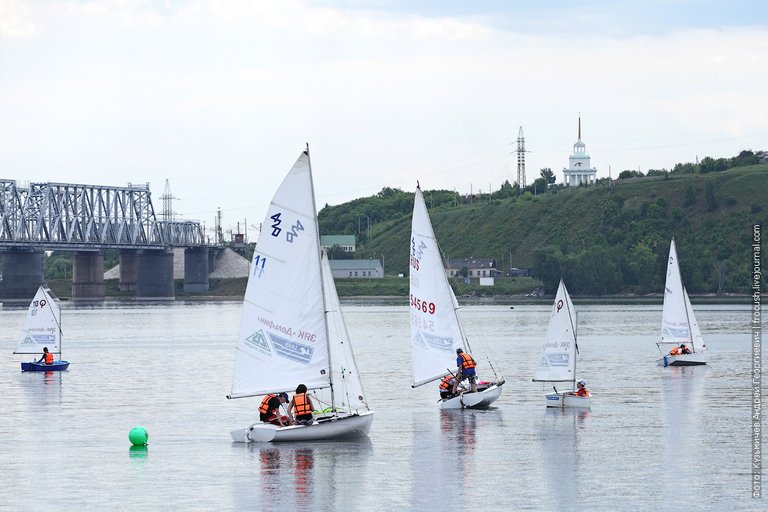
(64, 215)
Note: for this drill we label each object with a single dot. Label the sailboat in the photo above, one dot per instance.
(292, 331)
(678, 323)
(41, 329)
(436, 331)
(558, 357)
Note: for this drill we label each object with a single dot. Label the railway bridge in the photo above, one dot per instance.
(85, 220)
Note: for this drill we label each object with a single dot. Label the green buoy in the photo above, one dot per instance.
(138, 436)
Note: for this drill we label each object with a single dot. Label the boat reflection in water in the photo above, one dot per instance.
(303, 476)
(561, 432)
(683, 389)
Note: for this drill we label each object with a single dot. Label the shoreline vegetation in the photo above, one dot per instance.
(394, 290)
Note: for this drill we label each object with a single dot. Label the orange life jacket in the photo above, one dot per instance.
(301, 404)
(48, 358)
(264, 407)
(582, 392)
(467, 361)
(675, 351)
(447, 382)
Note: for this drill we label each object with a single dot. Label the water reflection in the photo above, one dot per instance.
(561, 431)
(442, 458)
(303, 476)
(138, 452)
(46, 393)
(683, 390)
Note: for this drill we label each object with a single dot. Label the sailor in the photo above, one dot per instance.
(269, 410)
(47, 357)
(446, 386)
(302, 406)
(581, 389)
(465, 370)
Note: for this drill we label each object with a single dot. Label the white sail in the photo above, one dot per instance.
(697, 340)
(435, 329)
(283, 338)
(347, 387)
(42, 326)
(674, 318)
(558, 357)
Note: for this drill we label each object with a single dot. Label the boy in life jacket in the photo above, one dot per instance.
(465, 370)
(302, 406)
(446, 386)
(269, 410)
(47, 357)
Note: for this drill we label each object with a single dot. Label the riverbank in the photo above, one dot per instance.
(394, 291)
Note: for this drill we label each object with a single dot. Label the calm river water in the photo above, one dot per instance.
(655, 438)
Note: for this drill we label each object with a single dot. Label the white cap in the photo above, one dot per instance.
(582, 382)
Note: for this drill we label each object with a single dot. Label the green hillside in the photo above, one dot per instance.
(609, 238)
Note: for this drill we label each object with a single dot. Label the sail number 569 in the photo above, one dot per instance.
(422, 305)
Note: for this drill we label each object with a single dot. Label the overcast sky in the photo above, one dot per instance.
(219, 96)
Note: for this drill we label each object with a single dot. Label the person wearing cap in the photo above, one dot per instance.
(581, 388)
(465, 370)
(269, 410)
(302, 406)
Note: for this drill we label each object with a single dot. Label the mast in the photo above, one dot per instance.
(322, 286)
(576, 347)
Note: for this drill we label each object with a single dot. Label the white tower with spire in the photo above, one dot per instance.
(579, 170)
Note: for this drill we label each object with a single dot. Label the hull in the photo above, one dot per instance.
(345, 427)
(57, 366)
(477, 400)
(695, 359)
(564, 400)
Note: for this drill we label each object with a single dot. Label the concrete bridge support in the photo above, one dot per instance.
(196, 269)
(129, 270)
(155, 275)
(88, 276)
(22, 275)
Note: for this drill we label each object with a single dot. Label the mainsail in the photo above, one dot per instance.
(283, 334)
(42, 326)
(435, 329)
(558, 358)
(674, 317)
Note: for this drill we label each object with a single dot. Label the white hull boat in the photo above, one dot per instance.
(678, 321)
(436, 331)
(568, 400)
(292, 330)
(557, 362)
(478, 400)
(323, 429)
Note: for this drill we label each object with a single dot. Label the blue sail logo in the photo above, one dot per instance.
(259, 341)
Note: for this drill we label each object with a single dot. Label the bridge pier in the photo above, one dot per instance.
(88, 275)
(129, 270)
(155, 275)
(196, 269)
(22, 274)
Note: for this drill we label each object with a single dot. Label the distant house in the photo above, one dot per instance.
(346, 242)
(474, 267)
(351, 269)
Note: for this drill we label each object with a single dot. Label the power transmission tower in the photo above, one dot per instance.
(167, 197)
(521, 158)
